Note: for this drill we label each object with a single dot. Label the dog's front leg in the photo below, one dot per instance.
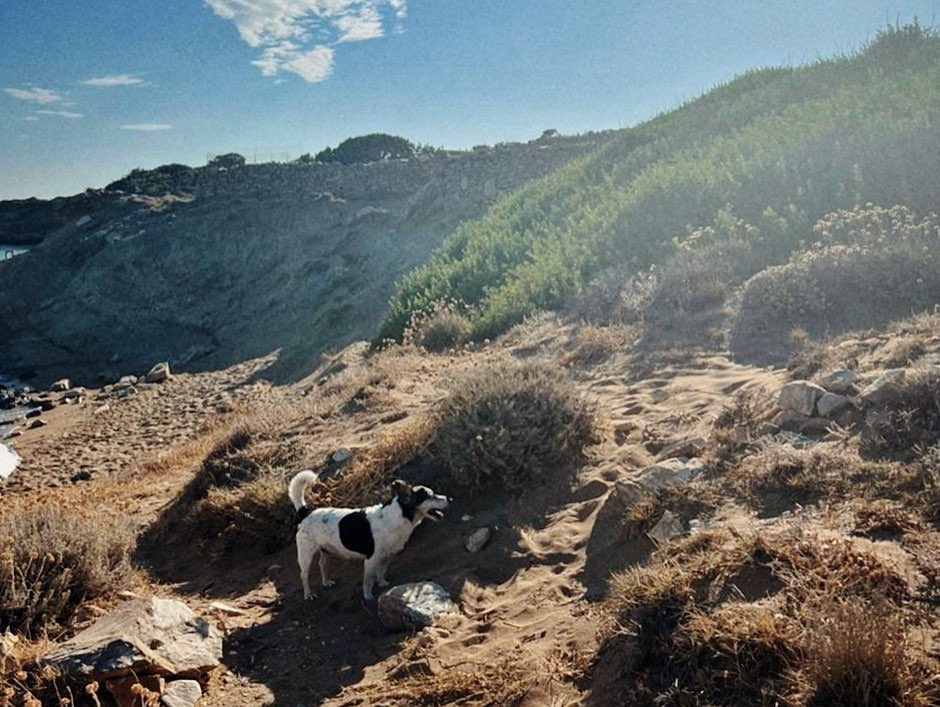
(380, 568)
(370, 569)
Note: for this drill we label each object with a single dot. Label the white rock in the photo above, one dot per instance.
(9, 460)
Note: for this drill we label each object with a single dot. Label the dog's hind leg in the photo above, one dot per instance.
(304, 558)
(324, 579)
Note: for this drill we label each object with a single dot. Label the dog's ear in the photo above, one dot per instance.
(402, 489)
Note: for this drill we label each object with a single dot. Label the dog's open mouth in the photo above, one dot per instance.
(436, 514)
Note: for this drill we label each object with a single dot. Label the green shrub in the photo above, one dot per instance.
(52, 559)
(510, 425)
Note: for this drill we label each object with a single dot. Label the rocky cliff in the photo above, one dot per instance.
(295, 258)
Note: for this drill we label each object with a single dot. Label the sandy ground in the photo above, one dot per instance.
(528, 599)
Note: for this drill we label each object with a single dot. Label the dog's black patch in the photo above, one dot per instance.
(412, 501)
(302, 513)
(356, 534)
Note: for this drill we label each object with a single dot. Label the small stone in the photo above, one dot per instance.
(342, 455)
(181, 693)
(668, 527)
(60, 386)
(159, 373)
(885, 387)
(478, 539)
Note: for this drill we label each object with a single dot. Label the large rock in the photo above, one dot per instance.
(414, 606)
(884, 388)
(841, 382)
(143, 636)
(800, 396)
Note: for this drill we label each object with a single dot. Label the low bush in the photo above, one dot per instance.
(510, 424)
(872, 266)
(52, 559)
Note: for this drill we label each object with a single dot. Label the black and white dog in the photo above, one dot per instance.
(373, 534)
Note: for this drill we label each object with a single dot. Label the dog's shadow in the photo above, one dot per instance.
(309, 651)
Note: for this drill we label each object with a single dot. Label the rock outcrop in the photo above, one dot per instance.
(296, 258)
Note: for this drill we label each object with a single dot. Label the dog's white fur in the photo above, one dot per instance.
(318, 530)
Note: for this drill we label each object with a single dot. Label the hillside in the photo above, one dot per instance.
(238, 261)
(735, 180)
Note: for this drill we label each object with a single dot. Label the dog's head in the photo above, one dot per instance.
(419, 502)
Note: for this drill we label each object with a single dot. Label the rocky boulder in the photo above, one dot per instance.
(148, 636)
(414, 606)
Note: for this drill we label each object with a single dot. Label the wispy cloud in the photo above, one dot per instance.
(61, 113)
(114, 80)
(35, 95)
(299, 35)
(146, 127)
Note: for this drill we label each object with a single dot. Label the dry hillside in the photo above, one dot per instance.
(785, 543)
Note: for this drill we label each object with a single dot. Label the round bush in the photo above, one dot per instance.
(511, 424)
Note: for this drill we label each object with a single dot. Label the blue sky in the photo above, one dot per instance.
(90, 89)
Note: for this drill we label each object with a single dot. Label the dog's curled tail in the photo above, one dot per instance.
(298, 485)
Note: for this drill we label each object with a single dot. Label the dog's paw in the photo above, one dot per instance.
(383, 583)
(367, 596)
(328, 583)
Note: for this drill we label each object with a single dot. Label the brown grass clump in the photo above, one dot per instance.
(500, 684)
(725, 618)
(594, 344)
(52, 559)
(855, 653)
(511, 424)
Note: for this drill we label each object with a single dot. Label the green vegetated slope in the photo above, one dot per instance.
(776, 148)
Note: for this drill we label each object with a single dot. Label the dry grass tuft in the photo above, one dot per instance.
(440, 328)
(501, 684)
(909, 421)
(52, 559)
(595, 344)
(855, 653)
